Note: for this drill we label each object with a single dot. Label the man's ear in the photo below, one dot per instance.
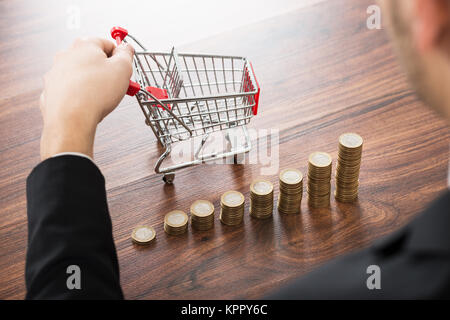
(431, 23)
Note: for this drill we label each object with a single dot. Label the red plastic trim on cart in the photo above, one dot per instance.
(255, 107)
(159, 94)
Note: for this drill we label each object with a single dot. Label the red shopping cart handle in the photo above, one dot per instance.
(159, 93)
(133, 88)
(118, 34)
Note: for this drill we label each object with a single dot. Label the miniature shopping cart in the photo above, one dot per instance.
(187, 95)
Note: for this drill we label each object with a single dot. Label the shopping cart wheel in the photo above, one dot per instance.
(169, 177)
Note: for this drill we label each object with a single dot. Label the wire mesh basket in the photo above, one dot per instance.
(187, 95)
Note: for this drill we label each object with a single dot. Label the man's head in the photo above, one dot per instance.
(421, 32)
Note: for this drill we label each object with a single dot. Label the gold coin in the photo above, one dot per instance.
(176, 218)
(202, 208)
(143, 234)
(232, 198)
(291, 191)
(232, 205)
(291, 176)
(320, 159)
(261, 187)
(202, 215)
(175, 222)
(345, 198)
(348, 166)
(351, 140)
(319, 179)
(319, 201)
(261, 199)
(289, 206)
(231, 220)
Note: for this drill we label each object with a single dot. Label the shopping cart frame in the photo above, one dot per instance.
(170, 122)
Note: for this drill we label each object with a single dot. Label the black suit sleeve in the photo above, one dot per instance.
(69, 225)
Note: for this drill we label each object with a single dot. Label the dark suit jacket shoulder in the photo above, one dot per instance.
(414, 263)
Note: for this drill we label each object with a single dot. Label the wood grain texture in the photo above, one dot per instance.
(322, 73)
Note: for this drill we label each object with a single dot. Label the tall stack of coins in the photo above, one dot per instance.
(319, 177)
(261, 199)
(202, 215)
(232, 204)
(291, 191)
(175, 222)
(348, 164)
(143, 235)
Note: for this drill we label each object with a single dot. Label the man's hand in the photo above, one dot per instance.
(84, 85)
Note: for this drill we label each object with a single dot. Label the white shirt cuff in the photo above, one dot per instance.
(73, 154)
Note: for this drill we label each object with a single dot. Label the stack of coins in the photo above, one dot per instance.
(319, 177)
(143, 235)
(232, 204)
(348, 164)
(202, 215)
(261, 199)
(175, 222)
(291, 191)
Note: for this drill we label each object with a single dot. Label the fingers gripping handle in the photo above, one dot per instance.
(118, 34)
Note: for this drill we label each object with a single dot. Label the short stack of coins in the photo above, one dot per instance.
(202, 215)
(347, 169)
(319, 179)
(291, 191)
(261, 199)
(143, 235)
(175, 222)
(232, 205)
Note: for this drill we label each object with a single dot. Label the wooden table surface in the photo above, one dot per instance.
(322, 73)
